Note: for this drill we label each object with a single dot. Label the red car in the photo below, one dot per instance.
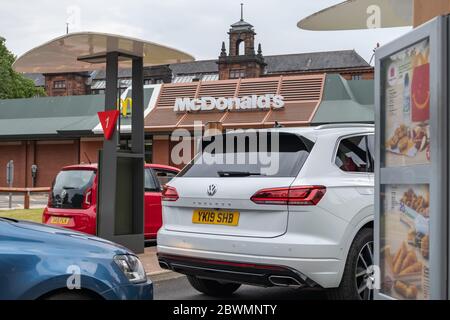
(72, 199)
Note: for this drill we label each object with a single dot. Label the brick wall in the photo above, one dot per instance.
(247, 37)
(89, 150)
(75, 84)
(186, 157)
(244, 59)
(161, 152)
(252, 69)
(51, 156)
(15, 151)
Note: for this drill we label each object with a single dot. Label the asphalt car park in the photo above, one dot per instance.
(179, 288)
(169, 285)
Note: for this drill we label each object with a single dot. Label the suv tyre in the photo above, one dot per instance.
(355, 278)
(213, 288)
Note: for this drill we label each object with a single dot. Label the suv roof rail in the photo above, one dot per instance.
(344, 125)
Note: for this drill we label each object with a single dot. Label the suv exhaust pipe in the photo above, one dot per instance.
(164, 265)
(283, 281)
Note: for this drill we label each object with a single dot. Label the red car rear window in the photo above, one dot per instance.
(69, 188)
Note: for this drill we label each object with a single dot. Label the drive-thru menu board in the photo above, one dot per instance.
(407, 106)
(411, 164)
(406, 241)
(405, 208)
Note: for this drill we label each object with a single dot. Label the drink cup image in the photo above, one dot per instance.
(420, 93)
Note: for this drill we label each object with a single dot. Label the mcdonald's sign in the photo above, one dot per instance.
(125, 106)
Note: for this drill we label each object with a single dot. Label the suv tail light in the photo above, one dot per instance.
(294, 196)
(87, 199)
(169, 194)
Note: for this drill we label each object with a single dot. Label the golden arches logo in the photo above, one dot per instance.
(125, 106)
(424, 104)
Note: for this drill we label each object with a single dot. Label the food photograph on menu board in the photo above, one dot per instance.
(407, 106)
(405, 242)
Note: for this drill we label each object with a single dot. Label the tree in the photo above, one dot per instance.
(12, 84)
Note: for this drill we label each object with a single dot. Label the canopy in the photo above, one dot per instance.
(355, 14)
(63, 54)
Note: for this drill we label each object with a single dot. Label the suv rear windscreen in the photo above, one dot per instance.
(69, 188)
(254, 154)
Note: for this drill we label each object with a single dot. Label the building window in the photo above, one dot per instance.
(148, 149)
(125, 144)
(237, 73)
(356, 77)
(240, 47)
(60, 84)
(153, 81)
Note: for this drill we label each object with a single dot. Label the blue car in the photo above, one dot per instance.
(42, 262)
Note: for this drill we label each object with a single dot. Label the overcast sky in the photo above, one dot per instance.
(195, 26)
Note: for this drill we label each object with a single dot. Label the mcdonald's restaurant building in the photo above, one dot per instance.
(53, 132)
(289, 101)
(242, 88)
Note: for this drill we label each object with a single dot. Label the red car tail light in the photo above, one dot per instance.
(294, 196)
(169, 194)
(87, 199)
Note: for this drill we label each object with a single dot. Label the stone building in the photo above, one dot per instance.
(243, 59)
(67, 84)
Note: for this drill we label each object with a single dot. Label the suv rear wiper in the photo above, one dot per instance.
(238, 174)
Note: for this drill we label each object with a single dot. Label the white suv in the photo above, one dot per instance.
(309, 222)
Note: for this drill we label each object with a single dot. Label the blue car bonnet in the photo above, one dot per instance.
(36, 258)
